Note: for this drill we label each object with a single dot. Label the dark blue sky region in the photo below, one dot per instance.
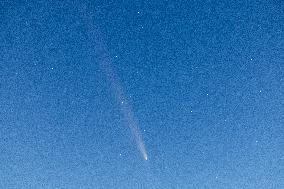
(204, 81)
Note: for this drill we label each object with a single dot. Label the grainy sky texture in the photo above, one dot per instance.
(200, 82)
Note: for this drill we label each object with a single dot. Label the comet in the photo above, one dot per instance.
(125, 107)
(103, 58)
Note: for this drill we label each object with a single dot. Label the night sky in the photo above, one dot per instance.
(142, 94)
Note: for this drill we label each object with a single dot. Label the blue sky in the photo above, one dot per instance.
(202, 83)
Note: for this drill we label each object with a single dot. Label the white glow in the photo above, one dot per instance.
(125, 107)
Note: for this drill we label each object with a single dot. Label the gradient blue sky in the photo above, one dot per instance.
(203, 79)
